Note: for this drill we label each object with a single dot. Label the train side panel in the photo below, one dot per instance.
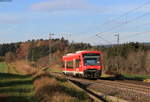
(87, 64)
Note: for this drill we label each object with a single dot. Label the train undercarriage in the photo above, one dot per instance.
(90, 74)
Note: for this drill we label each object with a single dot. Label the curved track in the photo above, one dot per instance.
(126, 86)
(134, 92)
(128, 91)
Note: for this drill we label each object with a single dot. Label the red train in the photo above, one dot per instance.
(86, 64)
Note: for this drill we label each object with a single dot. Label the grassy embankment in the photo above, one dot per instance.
(136, 77)
(126, 77)
(41, 86)
(57, 89)
(15, 87)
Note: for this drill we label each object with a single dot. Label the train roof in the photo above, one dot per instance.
(82, 52)
(77, 54)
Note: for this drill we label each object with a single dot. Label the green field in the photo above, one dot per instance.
(125, 77)
(3, 67)
(15, 87)
(136, 77)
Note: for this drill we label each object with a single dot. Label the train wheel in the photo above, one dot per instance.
(77, 75)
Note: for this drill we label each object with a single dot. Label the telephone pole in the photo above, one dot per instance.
(66, 35)
(117, 35)
(50, 41)
(118, 38)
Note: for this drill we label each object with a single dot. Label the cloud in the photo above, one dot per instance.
(63, 5)
(130, 9)
(9, 19)
(84, 5)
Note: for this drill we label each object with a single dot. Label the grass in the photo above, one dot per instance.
(42, 87)
(12, 69)
(3, 67)
(57, 89)
(8, 68)
(125, 77)
(71, 90)
(74, 92)
(15, 87)
(54, 70)
(136, 77)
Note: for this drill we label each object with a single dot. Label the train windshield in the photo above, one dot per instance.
(91, 59)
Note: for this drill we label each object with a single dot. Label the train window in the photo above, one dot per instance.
(91, 54)
(91, 61)
(77, 63)
(70, 64)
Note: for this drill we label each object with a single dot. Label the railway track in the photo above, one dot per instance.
(97, 96)
(118, 85)
(132, 89)
(126, 86)
(92, 95)
(137, 93)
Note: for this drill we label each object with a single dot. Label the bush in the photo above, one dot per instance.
(9, 57)
(2, 59)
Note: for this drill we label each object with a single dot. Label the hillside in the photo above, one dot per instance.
(129, 58)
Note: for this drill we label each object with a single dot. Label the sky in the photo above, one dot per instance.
(75, 20)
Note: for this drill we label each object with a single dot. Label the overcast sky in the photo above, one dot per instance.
(21, 20)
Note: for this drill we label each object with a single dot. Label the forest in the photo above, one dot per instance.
(132, 58)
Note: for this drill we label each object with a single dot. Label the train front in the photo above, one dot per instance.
(92, 64)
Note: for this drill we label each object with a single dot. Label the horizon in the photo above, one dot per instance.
(74, 42)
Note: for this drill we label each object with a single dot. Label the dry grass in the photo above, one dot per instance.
(63, 97)
(56, 68)
(24, 67)
(44, 82)
(51, 89)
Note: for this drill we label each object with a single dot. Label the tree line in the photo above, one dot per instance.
(124, 58)
(33, 50)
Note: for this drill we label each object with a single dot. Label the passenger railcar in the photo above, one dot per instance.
(86, 64)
